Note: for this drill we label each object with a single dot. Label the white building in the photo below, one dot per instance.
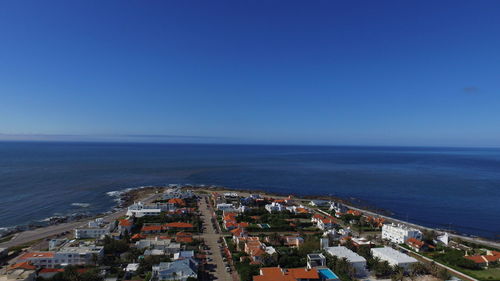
(443, 238)
(274, 207)
(82, 254)
(357, 261)
(226, 207)
(97, 228)
(399, 233)
(393, 257)
(316, 260)
(139, 209)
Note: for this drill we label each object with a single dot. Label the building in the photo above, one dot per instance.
(287, 274)
(485, 260)
(274, 207)
(399, 233)
(443, 238)
(165, 245)
(393, 257)
(97, 228)
(139, 210)
(125, 226)
(81, 254)
(315, 260)
(357, 261)
(319, 203)
(179, 270)
(225, 207)
(416, 245)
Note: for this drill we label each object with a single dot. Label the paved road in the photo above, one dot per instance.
(211, 237)
(44, 232)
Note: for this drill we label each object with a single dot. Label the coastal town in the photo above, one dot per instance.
(191, 233)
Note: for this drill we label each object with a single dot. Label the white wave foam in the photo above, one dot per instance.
(81, 205)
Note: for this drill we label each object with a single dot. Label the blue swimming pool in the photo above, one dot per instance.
(327, 274)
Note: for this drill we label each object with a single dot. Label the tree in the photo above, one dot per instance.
(417, 269)
(398, 273)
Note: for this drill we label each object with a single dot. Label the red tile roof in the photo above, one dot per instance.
(291, 274)
(177, 201)
(125, 222)
(23, 265)
(179, 225)
(152, 228)
(31, 255)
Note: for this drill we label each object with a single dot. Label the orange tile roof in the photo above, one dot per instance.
(125, 222)
(303, 273)
(415, 242)
(179, 225)
(291, 274)
(301, 210)
(23, 265)
(138, 236)
(476, 259)
(152, 228)
(37, 255)
(177, 201)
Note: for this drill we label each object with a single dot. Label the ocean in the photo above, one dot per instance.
(457, 188)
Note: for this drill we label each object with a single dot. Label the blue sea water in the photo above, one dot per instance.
(437, 187)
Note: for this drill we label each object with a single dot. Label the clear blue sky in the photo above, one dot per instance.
(292, 72)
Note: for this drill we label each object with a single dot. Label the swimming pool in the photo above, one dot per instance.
(326, 274)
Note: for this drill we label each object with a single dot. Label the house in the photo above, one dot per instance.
(139, 210)
(177, 270)
(184, 237)
(239, 232)
(289, 274)
(177, 202)
(443, 238)
(322, 222)
(184, 255)
(485, 260)
(399, 233)
(159, 244)
(316, 260)
(393, 257)
(416, 245)
(97, 228)
(326, 223)
(357, 261)
(274, 207)
(179, 226)
(256, 250)
(337, 207)
(225, 207)
(125, 226)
